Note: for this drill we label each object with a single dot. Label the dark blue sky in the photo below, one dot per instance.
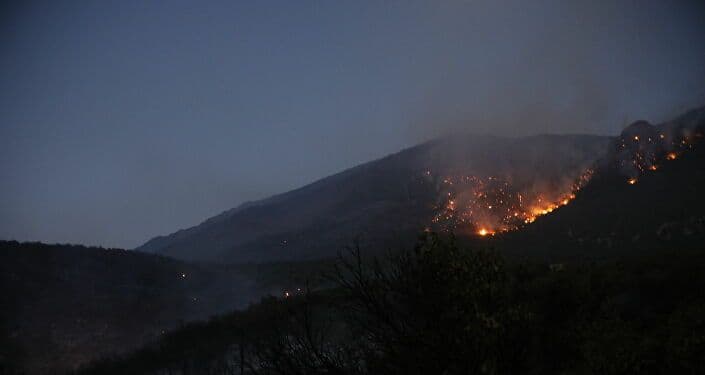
(127, 119)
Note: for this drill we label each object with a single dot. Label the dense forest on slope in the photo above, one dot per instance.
(441, 308)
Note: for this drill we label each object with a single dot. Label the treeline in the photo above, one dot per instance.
(442, 309)
(66, 305)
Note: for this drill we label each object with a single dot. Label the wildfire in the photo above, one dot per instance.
(636, 154)
(489, 205)
(485, 205)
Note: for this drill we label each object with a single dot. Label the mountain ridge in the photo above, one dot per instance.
(363, 199)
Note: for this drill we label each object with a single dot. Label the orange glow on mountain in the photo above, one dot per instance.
(489, 205)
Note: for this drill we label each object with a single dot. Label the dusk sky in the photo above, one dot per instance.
(124, 120)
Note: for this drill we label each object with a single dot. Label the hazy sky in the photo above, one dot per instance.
(123, 120)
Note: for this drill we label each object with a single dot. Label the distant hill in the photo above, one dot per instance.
(383, 203)
(64, 305)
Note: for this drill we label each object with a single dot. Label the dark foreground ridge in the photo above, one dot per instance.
(65, 305)
(443, 309)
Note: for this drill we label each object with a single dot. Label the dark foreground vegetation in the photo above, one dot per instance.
(443, 309)
(62, 306)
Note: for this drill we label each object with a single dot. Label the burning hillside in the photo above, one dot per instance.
(643, 148)
(386, 201)
(488, 205)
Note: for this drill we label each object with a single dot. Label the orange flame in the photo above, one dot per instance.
(489, 205)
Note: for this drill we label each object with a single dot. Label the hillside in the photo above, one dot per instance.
(643, 197)
(64, 305)
(446, 309)
(384, 202)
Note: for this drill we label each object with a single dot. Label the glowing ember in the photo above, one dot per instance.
(671, 156)
(488, 205)
(631, 181)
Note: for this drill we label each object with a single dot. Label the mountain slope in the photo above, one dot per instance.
(645, 195)
(383, 202)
